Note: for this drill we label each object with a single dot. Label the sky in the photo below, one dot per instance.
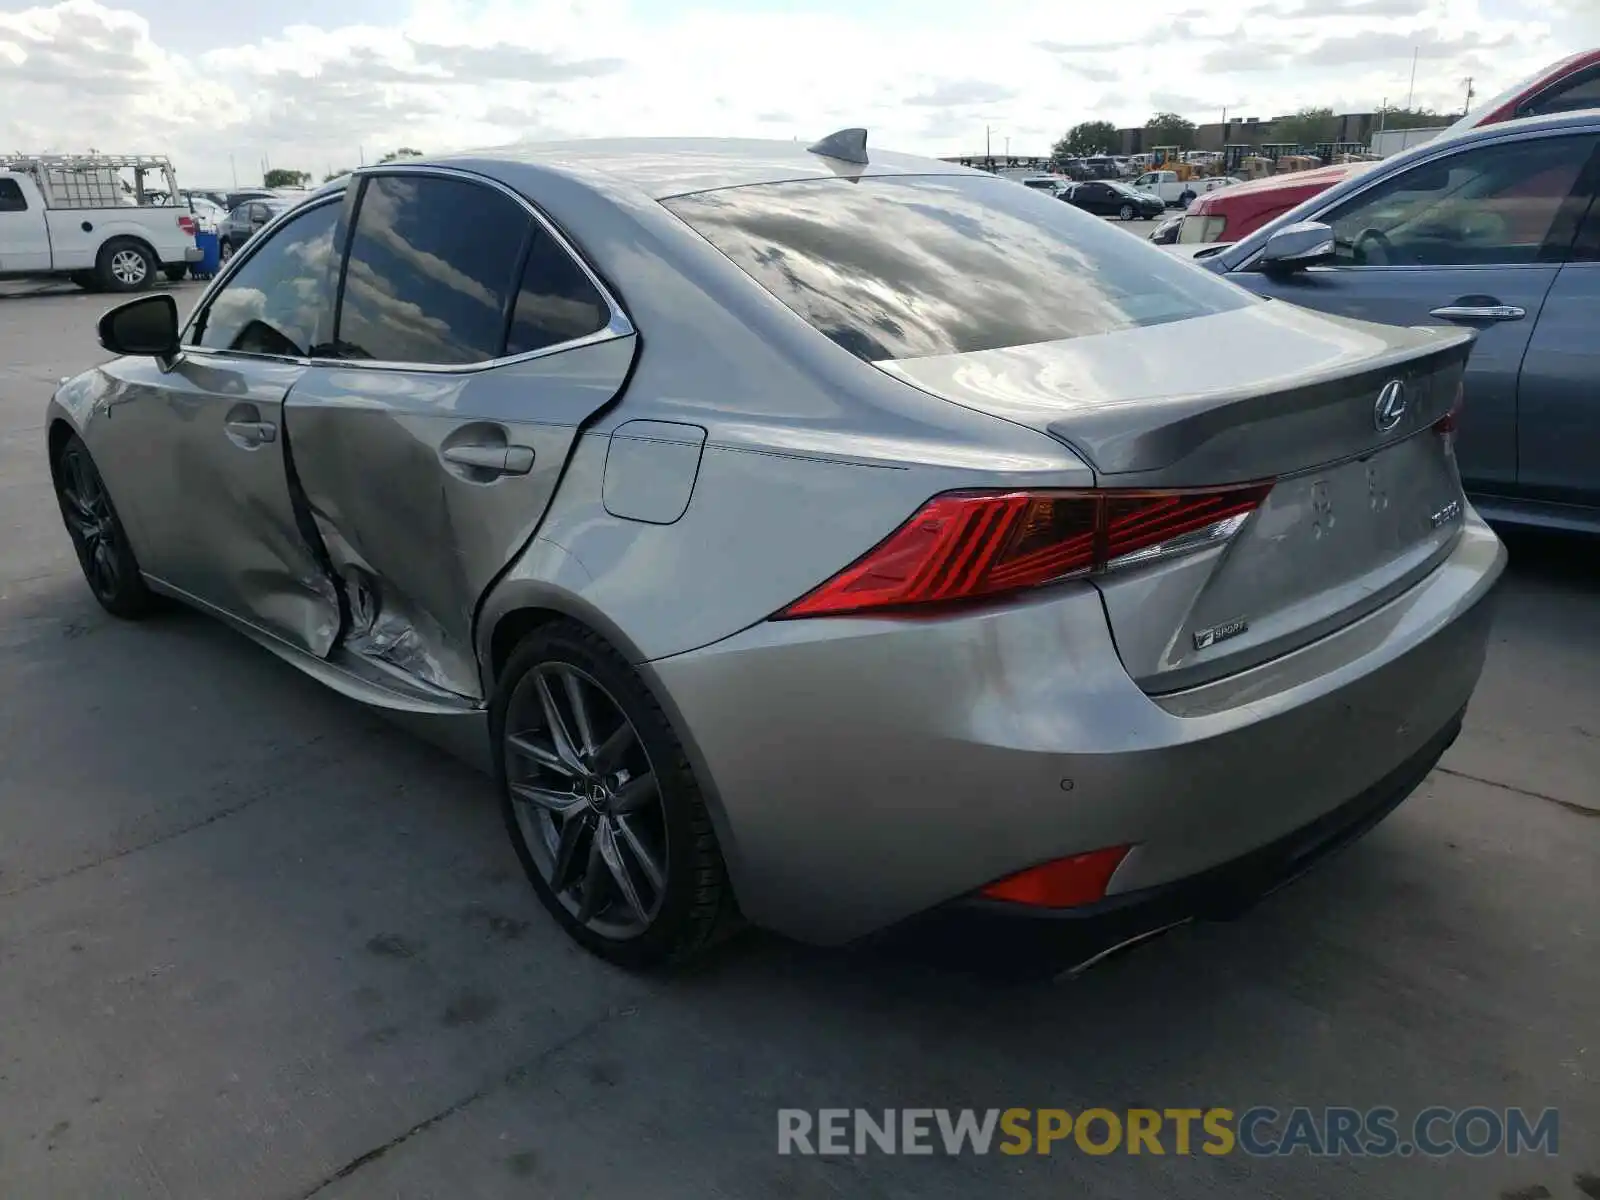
(317, 85)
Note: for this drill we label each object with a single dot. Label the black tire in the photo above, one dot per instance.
(97, 534)
(176, 272)
(125, 265)
(695, 902)
(1126, 212)
(86, 280)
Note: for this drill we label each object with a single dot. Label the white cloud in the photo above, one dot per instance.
(453, 74)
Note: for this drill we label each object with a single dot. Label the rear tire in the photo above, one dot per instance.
(85, 280)
(98, 536)
(125, 265)
(176, 272)
(1126, 212)
(628, 798)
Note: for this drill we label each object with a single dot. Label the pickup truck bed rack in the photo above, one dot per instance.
(93, 180)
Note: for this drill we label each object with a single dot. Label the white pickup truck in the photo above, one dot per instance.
(1172, 189)
(76, 216)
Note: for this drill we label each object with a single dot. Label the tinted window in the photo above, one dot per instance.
(899, 267)
(272, 303)
(555, 302)
(11, 197)
(430, 272)
(1490, 205)
(1581, 91)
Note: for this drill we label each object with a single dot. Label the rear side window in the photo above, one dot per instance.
(11, 197)
(431, 267)
(908, 266)
(556, 302)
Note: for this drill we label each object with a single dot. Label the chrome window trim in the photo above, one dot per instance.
(618, 326)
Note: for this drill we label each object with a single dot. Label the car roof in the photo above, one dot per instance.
(663, 167)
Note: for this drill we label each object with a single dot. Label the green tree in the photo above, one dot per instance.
(403, 152)
(1169, 129)
(1307, 127)
(1394, 116)
(1084, 139)
(281, 177)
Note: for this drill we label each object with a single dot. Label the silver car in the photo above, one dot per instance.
(854, 544)
(1495, 230)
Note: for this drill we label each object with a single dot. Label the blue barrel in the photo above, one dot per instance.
(210, 256)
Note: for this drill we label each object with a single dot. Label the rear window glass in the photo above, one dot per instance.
(908, 266)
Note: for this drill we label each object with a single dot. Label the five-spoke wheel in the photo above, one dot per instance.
(97, 534)
(601, 803)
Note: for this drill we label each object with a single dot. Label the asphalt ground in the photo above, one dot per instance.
(256, 943)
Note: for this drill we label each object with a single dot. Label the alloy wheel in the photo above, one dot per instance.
(91, 522)
(129, 267)
(586, 800)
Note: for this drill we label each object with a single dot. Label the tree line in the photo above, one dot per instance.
(283, 177)
(1307, 127)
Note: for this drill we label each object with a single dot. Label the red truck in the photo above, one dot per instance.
(1233, 212)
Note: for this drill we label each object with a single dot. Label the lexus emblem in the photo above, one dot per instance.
(1391, 406)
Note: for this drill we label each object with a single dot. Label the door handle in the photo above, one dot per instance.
(501, 460)
(1479, 312)
(253, 433)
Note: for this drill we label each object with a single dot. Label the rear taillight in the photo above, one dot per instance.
(967, 545)
(189, 225)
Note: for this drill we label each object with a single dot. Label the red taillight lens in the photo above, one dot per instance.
(189, 225)
(1063, 883)
(966, 545)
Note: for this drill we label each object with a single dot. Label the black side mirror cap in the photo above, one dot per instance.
(147, 325)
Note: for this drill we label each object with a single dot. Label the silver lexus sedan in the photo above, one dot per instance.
(846, 542)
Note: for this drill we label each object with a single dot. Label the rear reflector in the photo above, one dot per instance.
(189, 225)
(1063, 883)
(966, 545)
(1451, 421)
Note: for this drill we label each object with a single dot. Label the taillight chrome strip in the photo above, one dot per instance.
(1185, 543)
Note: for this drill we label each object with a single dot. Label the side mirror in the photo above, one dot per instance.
(146, 326)
(1297, 246)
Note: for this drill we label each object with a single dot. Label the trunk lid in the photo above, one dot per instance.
(1362, 506)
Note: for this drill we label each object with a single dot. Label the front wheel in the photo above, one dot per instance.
(1126, 212)
(602, 805)
(97, 534)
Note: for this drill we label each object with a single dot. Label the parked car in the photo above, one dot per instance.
(853, 542)
(1495, 230)
(1570, 84)
(70, 216)
(1175, 191)
(1111, 198)
(1166, 233)
(245, 221)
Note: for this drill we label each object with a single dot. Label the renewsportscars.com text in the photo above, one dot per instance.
(1259, 1131)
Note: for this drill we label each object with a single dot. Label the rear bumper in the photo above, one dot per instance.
(863, 771)
(1016, 940)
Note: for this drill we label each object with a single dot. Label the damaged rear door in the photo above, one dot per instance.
(471, 345)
